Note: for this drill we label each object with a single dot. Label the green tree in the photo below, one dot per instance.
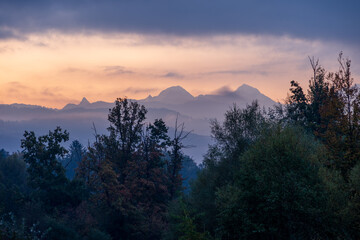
(331, 110)
(126, 123)
(342, 136)
(353, 210)
(297, 105)
(182, 224)
(13, 186)
(318, 95)
(46, 175)
(332, 115)
(277, 192)
(239, 130)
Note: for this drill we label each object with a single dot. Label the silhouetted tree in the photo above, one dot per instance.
(46, 175)
(276, 192)
(128, 174)
(239, 130)
(176, 157)
(73, 158)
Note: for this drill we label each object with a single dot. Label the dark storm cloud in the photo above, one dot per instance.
(330, 20)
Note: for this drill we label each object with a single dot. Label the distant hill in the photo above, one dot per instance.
(171, 103)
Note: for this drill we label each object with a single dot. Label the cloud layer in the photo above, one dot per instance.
(326, 20)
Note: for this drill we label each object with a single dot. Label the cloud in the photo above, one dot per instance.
(40, 44)
(7, 33)
(330, 20)
(5, 49)
(238, 72)
(116, 70)
(15, 87)
(134, 90)
(75, 70)
(52, 92)
(223, 91)
(172, 75)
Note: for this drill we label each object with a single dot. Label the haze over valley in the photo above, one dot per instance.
(171, 103)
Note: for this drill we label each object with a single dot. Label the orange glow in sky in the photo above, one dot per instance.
(54, 69)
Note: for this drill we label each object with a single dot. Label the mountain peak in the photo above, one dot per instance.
(175, 89)
(175, 94)
(84, 101)
(247, 88)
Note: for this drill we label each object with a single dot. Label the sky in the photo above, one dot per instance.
(56, 52)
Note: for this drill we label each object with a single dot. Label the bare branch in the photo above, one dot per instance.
(96, 135)
(180, 133)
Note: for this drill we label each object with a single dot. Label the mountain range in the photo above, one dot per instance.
(174, 102)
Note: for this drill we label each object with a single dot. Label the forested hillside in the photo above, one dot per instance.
(289, 172)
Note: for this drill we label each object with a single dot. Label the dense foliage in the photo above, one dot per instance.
(292, 172)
